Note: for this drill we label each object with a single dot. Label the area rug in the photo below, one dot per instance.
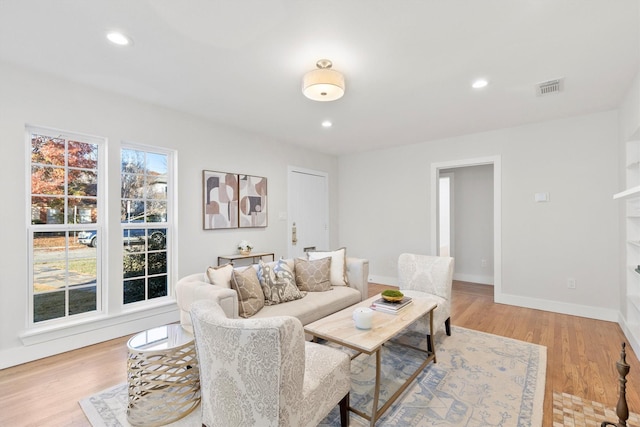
(572, 411)
(479, 380)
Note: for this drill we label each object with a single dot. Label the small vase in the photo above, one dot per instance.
(245, 251)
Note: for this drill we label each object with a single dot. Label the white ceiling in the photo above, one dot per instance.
(408, 64)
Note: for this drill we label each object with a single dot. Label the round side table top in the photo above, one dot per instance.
(160, 338)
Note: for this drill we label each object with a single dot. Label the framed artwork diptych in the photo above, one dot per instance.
(232, 200)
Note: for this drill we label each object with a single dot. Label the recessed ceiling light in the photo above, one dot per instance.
(479, 84)
(118, 38)
(327, 124)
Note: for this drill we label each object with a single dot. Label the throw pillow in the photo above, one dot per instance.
(278, 283)
(250, 297)
(221, 275)
(313, 276)
(338, 265)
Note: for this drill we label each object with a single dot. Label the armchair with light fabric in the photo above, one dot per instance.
(431, 275)
(262, 372)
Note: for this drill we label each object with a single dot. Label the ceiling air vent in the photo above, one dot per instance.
(549, 87)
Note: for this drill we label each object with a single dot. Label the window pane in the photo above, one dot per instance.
(157, 262)
(133, 265)
(83, 183)
(82, 210)
(133, 291)
(156, 211)
(82, 300)
(157, 287)
(48, 306)
(131, 186)
(134, 236)
(47, 210)
(132, 161)
(132, 211)
(156, 164)
(47, 180)
(49, 262)
(46, 150)
(157, 239)
(83, 155)
(157, 187)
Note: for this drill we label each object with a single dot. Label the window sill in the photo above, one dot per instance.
(41, 334)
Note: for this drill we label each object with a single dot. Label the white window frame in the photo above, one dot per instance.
(170, 225)
(101, 291)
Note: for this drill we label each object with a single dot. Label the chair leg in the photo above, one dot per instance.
(344, 411)
(447, 326)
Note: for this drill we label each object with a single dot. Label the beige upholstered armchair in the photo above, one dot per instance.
(261, 372)
(431, 275)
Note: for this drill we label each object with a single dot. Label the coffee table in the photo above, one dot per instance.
(162, 375)
(340, 328)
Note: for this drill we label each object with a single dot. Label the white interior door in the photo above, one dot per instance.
(308, 211)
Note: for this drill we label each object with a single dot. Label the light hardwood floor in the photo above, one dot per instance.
(581, 356)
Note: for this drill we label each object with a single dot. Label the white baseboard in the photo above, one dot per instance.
(559, 307)
(634, 340)
(473, 278)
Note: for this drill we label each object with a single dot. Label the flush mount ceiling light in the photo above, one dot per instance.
(324, 83)
(479, 84)
(118, 38)
(327, 124)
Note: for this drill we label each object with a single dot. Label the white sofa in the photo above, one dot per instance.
(314, 306)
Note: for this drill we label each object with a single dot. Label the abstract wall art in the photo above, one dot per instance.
(253, 201)
(220, 200)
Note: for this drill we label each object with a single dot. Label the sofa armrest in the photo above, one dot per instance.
(358, 275)
(193, 288)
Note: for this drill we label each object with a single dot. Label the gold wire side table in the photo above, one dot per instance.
(162, 375)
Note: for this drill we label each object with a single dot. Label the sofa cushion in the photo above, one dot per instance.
(313, 275)
(315, 305)
(278, 283)
(338, 265)
(220, 275)
(250, 297)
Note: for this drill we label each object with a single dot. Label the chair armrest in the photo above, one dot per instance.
(189, 289)
(358, 275)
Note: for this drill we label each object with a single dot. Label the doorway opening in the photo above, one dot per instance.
(445, 214)
(447, 205)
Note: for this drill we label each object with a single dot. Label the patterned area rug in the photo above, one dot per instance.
(572, 411)
(480, 380)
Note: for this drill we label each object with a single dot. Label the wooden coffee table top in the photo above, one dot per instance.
(341, 328)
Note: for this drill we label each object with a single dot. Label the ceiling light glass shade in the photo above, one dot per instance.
(479, 84)
(118, 38)
(323, 84)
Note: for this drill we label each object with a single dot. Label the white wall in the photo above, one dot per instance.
(473, 223)
(38, 99)
(384, 209)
